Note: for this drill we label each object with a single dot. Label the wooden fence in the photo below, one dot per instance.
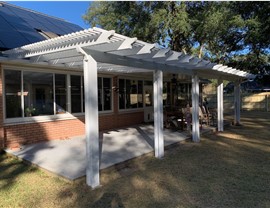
(258, 102)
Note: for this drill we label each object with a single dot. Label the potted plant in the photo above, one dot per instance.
(30, 111)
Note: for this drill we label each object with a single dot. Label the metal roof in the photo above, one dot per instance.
(18, 26)
(118, 53)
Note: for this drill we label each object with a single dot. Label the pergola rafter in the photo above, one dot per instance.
(108, 45)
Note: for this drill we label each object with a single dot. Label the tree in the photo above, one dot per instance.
(231, 33)
(164, 22)
(256, 37)
(215, 28)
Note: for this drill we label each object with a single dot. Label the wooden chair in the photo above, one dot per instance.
(212, 116)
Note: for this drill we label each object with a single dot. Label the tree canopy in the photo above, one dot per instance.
(231, 33)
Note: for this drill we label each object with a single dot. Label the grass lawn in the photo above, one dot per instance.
(228, 169)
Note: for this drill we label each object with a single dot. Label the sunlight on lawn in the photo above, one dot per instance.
(227, 169)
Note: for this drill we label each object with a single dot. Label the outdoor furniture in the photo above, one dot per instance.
(173, 119)
(204, 116)
(212, 113)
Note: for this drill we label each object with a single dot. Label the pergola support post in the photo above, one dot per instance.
(237, 100)
(195, 109)
(91, 121)
(220, 124)
(158, 113)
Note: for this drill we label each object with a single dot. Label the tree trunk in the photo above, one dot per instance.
(201, 51)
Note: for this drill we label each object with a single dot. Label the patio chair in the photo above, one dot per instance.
(173, 120)
(212, 113)
(204, 115)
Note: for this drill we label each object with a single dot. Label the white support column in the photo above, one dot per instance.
(91, 121)
(220, 105)
(158, 113)
(237, 103)
(68, 93)
(195, 109)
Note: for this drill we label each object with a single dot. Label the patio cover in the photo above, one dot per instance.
(115, 52)
(96, 50)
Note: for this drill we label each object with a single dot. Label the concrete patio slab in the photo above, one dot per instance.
(67, 157)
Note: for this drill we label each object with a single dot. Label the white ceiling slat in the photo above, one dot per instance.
(127, 44)
(105, 47)
(184, 58)
(105, 37)
(217, 66)
(174, 56)
(233, 71)
(228, 69)
(146, 48)
(115, 49)
(127, 61)
(206, 63)
(222, 68)
(162, 53)
(37, 59)
(67, 60)
(194, 60)
(144, 56)
(126, 52)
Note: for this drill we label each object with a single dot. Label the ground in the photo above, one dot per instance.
(228, 169)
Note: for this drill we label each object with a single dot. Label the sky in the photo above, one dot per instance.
(71, 11)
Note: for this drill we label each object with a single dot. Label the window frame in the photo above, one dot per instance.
(131, 109)
(55, 116)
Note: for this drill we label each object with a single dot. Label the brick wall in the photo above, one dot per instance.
(1, 112)
(20, 134)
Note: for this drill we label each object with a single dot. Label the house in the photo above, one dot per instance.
(96, 79)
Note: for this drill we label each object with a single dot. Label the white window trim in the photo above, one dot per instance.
(46, 118)
(130, 109)
(102, 95)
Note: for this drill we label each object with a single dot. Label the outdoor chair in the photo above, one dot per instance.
(173, 120)
(212, 112)
(204, 115)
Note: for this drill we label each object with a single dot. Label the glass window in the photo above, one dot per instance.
(148, 93)
(60, 93)
(47, 94)
(140, 94)
(130, 94)
(107, 94)
(122, 94)
(13, 93)
(38, 94)
(104, 94)
(100, 106)
(76, 94)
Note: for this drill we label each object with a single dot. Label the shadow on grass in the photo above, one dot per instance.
(218, 172)
(229, 169)
(11, 169)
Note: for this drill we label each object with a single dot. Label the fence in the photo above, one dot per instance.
(258, 102)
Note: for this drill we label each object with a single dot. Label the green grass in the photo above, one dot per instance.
(228, 169)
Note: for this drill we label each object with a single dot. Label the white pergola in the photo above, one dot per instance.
(96, 50)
